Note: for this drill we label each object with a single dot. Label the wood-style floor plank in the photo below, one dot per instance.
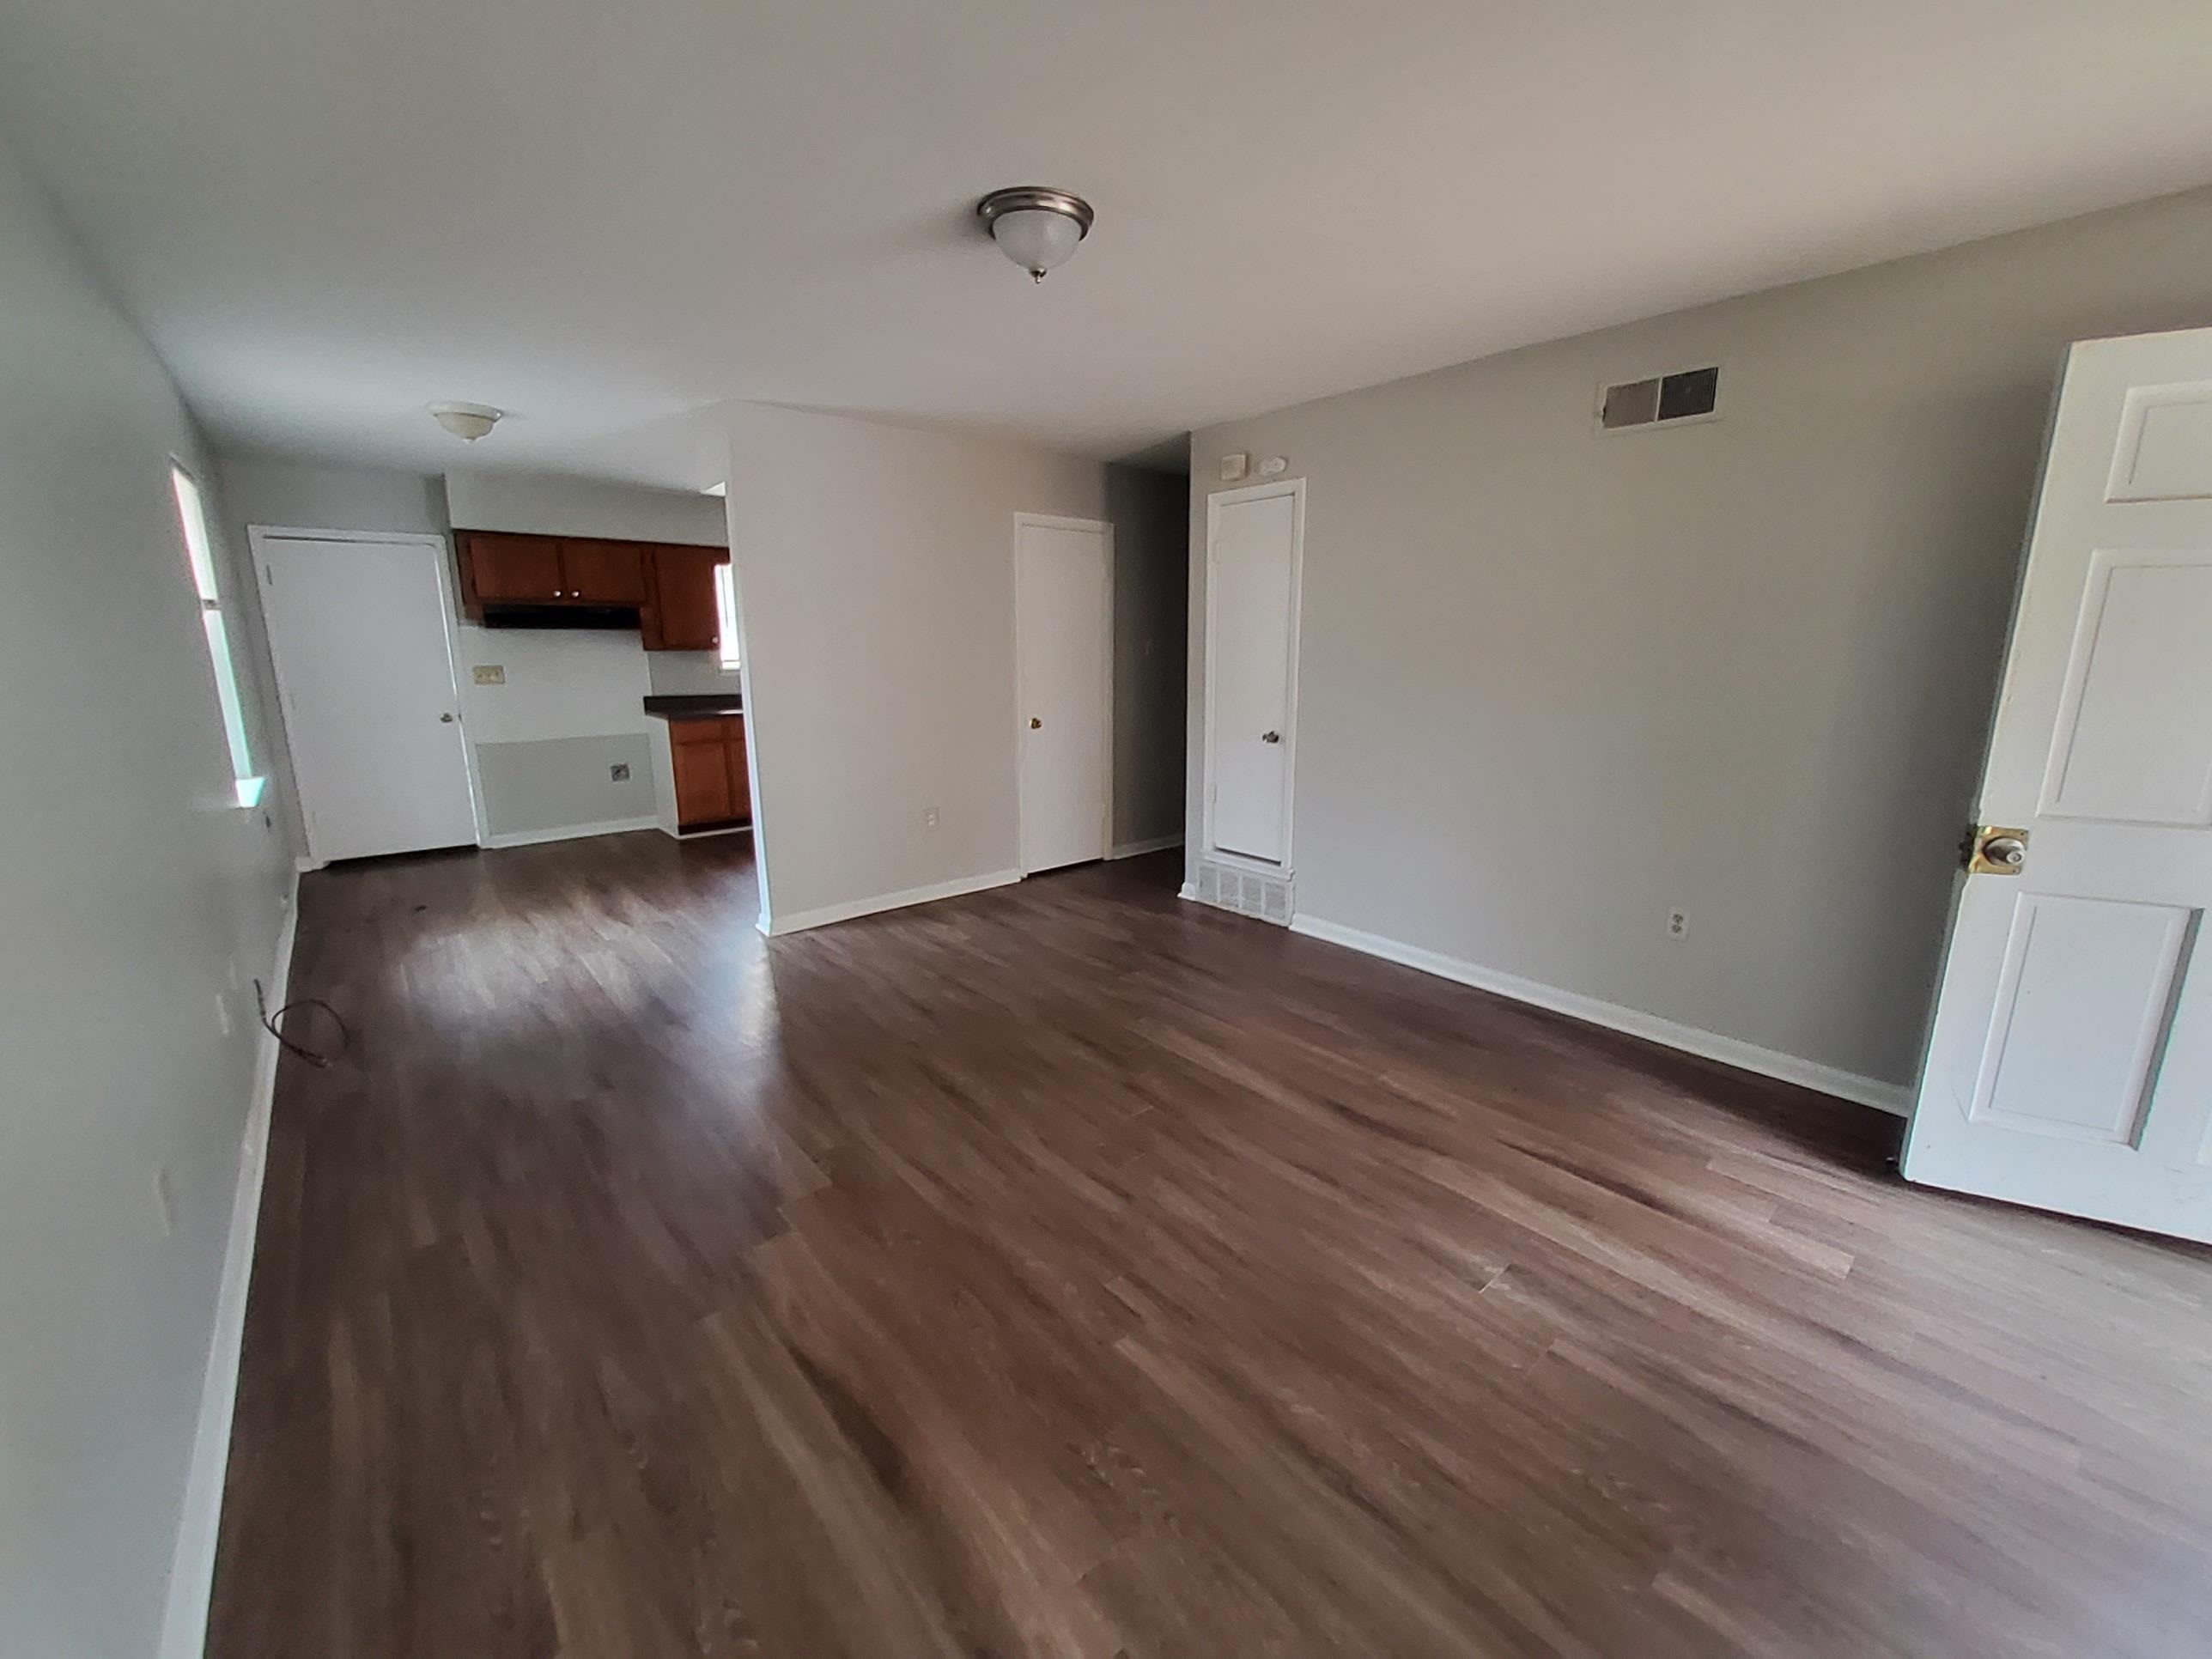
(1068, 1270)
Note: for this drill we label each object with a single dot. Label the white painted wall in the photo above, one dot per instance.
(555, 504)
(875, 571)
(130, 886)
(1554, 684)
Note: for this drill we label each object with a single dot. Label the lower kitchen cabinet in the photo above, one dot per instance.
(711, 787)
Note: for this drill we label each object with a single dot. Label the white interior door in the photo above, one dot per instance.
(372, 711)
(1251, 672)
(2070, 1064)
(1063, 603)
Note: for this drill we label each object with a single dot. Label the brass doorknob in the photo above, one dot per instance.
(1035, 724)
(1271, 737)
(1995, 850)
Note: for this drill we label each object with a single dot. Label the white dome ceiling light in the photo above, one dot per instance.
(468, 421)
(1035, 228)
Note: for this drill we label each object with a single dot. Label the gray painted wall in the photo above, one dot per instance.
(132, 885)
(556, 783)
(1151, 574)
(1554, 683)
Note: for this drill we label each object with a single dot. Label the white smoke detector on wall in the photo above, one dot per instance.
(467, 422)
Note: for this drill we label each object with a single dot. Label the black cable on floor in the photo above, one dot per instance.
(270, 1023)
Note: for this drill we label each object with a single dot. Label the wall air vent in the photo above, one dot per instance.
(1694, 394)
(1247, 892)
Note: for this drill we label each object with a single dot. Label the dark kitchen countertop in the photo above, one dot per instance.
(700, 706)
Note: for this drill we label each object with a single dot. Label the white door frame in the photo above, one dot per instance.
(1050, 521)
(449, 609)
(1295, 490)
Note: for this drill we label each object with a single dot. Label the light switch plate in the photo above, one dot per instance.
(1233, 466)
(490, 673)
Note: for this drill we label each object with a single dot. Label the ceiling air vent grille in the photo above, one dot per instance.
(1694, 394)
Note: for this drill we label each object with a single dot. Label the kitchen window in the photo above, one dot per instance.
(725, 609)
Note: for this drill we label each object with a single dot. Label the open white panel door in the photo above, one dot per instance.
(2070, 1064)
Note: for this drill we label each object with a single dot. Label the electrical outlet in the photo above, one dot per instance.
(165, 1201)
(490, 673)
(929, 817)
(1678, 924)
(619, 772)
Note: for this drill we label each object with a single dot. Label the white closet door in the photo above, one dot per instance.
(372, 709)
(1063, 605)
(1251, 672)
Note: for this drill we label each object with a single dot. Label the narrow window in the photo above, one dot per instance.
(726, 607)
(200, 550)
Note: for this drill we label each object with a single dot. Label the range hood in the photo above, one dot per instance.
(617, 617)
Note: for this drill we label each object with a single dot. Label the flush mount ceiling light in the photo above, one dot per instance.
(1035, 228)
(469, 421)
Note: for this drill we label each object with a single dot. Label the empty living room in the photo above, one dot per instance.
(1105, 831)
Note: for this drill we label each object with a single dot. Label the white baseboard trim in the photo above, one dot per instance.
(1187, 891)
(191, 1566)
(1130, 849)
(570, 832)
(799, 921)
(1767, 1062)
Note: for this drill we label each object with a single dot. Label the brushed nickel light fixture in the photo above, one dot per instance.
(1036, 228)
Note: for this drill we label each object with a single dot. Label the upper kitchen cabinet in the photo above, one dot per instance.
(682, 613)
(603, 572)
(502, 570)
(665, 584)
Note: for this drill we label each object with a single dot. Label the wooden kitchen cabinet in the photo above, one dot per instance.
(670, 587)
(603, 572)
(708, 759)
(502, 570)
(683, 613)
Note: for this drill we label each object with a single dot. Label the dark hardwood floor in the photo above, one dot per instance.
(1069, 1270)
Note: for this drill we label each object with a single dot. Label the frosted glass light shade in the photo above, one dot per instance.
(1036, 238)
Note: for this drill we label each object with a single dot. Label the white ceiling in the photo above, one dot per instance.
(604, 213)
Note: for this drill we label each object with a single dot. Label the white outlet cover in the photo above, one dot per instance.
(1234, 467)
